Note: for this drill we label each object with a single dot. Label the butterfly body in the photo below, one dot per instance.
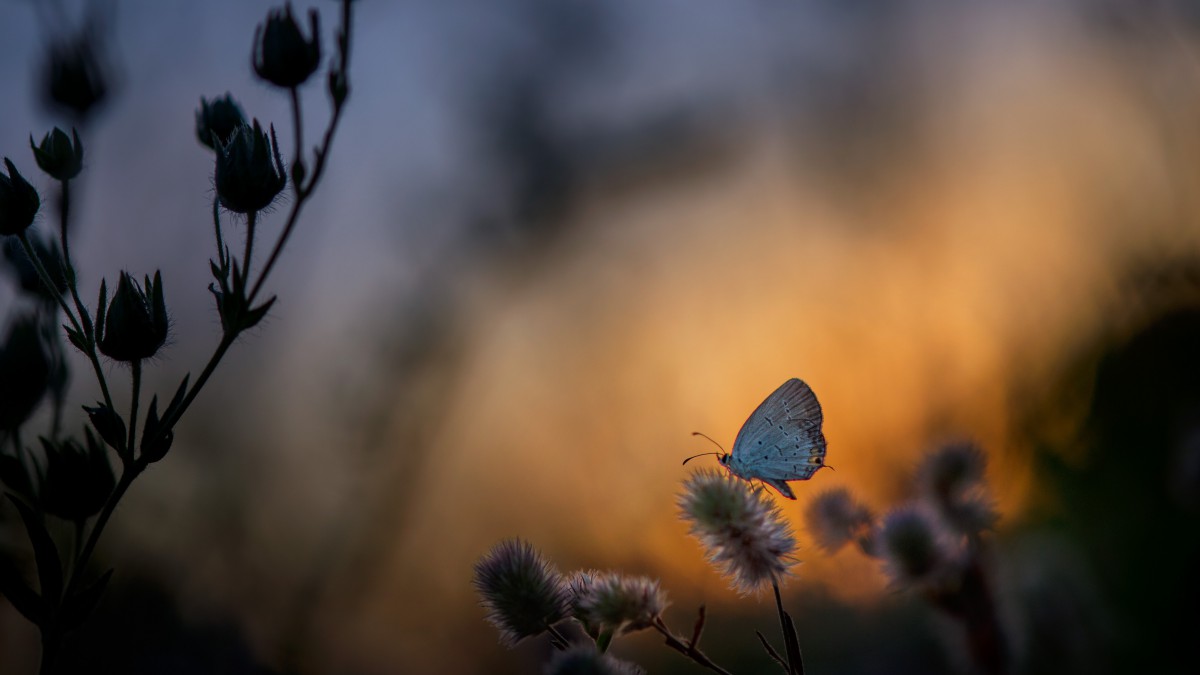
(781, 440)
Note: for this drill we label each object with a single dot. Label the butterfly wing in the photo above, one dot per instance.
(782, 439)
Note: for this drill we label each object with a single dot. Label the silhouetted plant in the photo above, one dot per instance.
(73, 480)
(743, 533)
(932, 545)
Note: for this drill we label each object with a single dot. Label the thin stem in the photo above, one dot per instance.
(217, 229)
(560, 641)
(298, 124)
(46, 280)
(304, 191)
(131, 471)
(690, 651)
(790, 642)
(64, 218)
(169, 421)
(133, 406)
(89, 337)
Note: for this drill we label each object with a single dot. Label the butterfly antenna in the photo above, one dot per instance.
(697, 433)
(722, 452)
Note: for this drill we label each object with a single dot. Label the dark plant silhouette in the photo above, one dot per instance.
(72, 480)
(933, 546)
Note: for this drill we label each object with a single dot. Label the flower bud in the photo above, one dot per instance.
(282, 55)
(74, 77)
(220, 118)
(19, 202)
(109, 425)
(249, 172)
(26, 274)
(135, 325)
(78, 479)
(57, 155)
(25, 371)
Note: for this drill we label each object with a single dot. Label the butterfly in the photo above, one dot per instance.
(780, 441)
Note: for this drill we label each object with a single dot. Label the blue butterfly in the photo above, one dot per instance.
(780, 441)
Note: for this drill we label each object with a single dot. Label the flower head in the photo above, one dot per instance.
(249, 172)
(19, 202)
(613, 601)
(282, 55)
(835, 519)
(913, 546)
(951, 481)
(135, 324)
(523, 593)
(743, 531)
(585, 660)
(218, 118)
(59, 155)
(75, 78)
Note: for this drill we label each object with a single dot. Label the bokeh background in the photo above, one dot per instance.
(555, 238)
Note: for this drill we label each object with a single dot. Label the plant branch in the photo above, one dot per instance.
(691, 651)
(322, 154)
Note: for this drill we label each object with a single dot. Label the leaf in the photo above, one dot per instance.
(76, 339)
(177, 399)
(44, 552)
(23, 598)
(78, 607)
(771, 651)
(792, 643)
(257, 314)
(101, 309)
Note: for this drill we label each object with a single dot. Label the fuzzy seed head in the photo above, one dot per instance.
(953, 468)
(522, 591)
(835, 518)
(742, 530)
(951, 481)
(613, 601)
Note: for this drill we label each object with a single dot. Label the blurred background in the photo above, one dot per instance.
(556, 238)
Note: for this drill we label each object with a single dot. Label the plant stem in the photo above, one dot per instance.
(89, 336)
(223, 346)
(297, 123)
(130, 472)
(560, 641)
(133, 406)
(46, 280)
(302, 193)
(690, 651)
(791, 643)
